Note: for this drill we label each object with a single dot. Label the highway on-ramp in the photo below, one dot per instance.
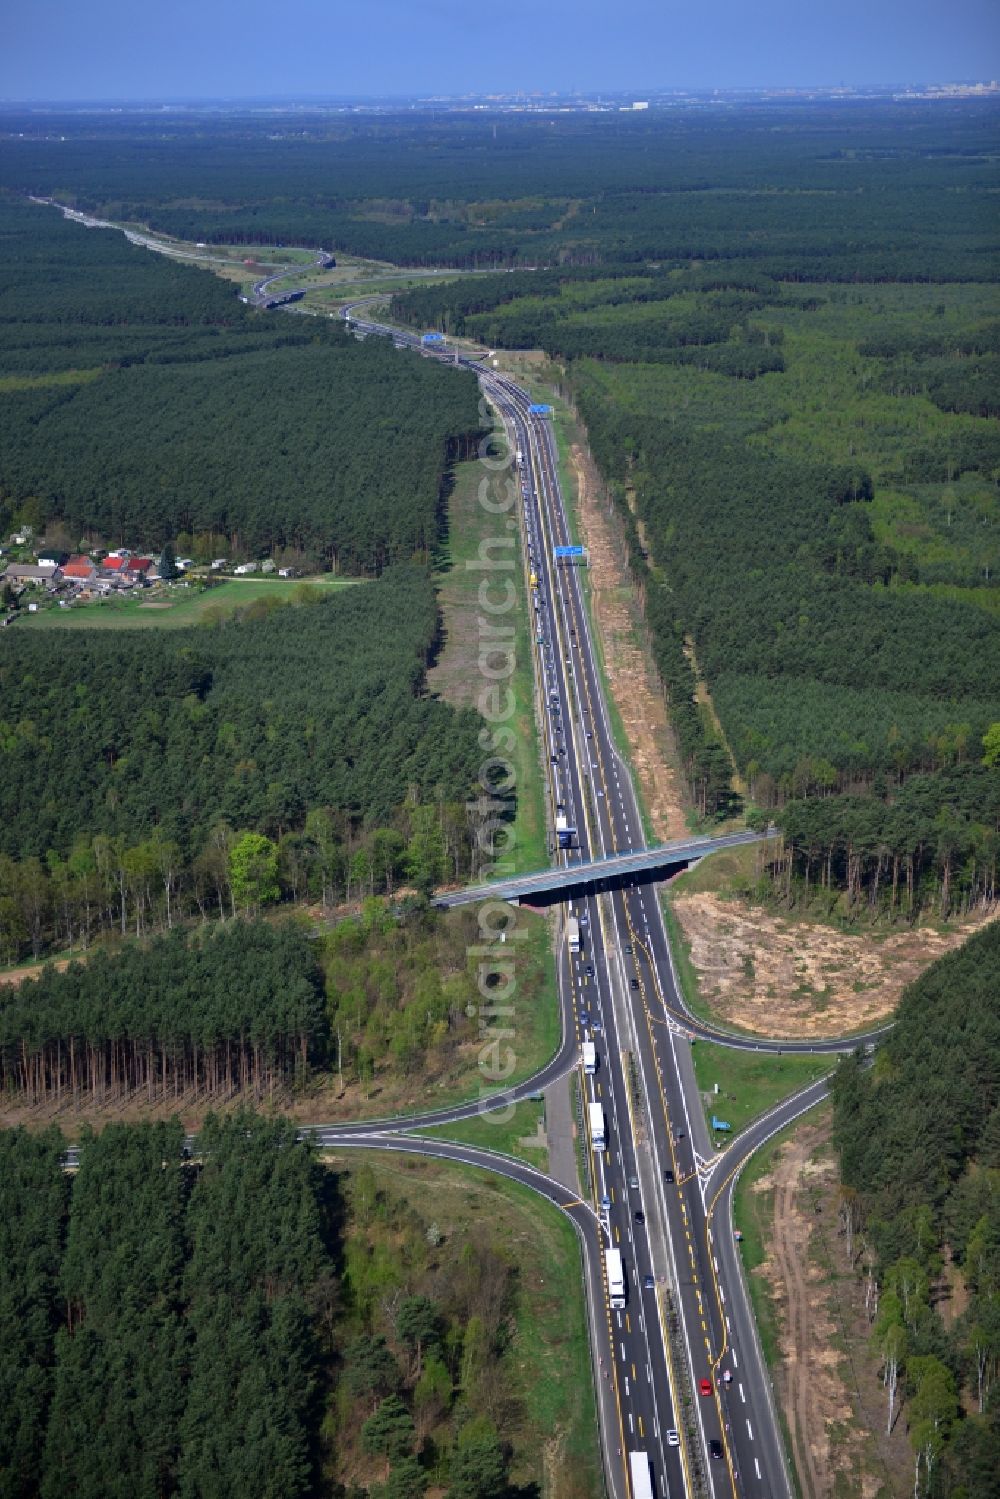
(678, 1366)
(651, 1183)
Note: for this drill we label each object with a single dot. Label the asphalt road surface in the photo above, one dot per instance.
(656, 1192)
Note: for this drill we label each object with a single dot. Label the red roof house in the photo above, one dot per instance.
(81, 569)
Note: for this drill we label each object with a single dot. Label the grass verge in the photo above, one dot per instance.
(684, 968)
(511, 1135)
(547, 1370)
(456, 675)
(750, 1082)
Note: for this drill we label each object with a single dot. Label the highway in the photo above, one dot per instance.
(657, 1190)
(690, 1329)
(625, 998)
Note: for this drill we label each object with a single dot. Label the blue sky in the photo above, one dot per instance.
(135, 49)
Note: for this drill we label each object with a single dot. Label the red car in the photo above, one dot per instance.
(704, 1387)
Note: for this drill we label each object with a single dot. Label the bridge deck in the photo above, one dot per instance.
(592, 871)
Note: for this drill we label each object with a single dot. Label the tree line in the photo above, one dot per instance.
(190, 413)
(253, 721)
(918, 1135)
(176, 1334)
(236, 1009)
(814, 203)
(110, 887)
(933, 846)
(238, 1318)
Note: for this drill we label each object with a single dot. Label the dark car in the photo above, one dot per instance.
(668, 1176)
(634, 983)
(590, 970)
(584, 1018)
(648, 1283)
(715, 1448)
(640, 1216)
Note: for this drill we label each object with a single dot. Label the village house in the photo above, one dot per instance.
(80, 569)
(31, 572)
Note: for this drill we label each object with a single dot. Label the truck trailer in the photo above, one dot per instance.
(597, 1131)
(572, 934)
(589, 1058)
(639, 1471)
(616, 1278)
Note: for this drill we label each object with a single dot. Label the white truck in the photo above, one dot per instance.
(565, 832)
(589, 1058)
(572, 934)
(639, 1470)
(598, 1136)
(616, 1278)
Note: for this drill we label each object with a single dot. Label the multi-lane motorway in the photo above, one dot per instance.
(686, 1378)
(678, 1369)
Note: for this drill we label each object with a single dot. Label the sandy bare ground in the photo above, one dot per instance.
(33, 970)
(827, 1383)
(809, 1384)
(630, 672)
(783, 977)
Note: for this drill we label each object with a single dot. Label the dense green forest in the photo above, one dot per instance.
(780, 326)
(257, 1009)
(454, 189)
(806, 476)
(246, 1321)
(140, 400)
(239, 1008)
(135, 766)
(919, 1141)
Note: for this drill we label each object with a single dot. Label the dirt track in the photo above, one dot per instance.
(810, 1387)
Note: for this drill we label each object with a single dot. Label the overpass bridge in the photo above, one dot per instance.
(589, 874)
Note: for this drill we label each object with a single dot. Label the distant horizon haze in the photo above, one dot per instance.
(113, 52)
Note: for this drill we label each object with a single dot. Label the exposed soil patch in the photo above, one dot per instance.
(34, 970)
(630, 673)
(810, 1390)
(827, 1384)
(785, 977)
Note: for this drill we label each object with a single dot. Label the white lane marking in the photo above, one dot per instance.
(626, 1385)
(742, 1395)
(722, 1294)
(749, 1428)
(631, 1426)
(757, 1466)
(736, 1362)
(729, 1330)
(622, 1347)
